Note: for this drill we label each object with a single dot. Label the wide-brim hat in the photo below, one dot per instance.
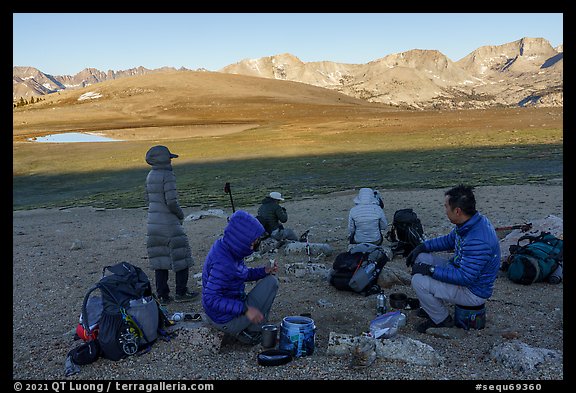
(276, 195)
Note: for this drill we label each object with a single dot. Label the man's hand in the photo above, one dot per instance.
(254, 315)
(411, 258)
(271, 269)
(422, 268)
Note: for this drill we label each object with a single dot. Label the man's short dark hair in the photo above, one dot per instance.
(462, 196)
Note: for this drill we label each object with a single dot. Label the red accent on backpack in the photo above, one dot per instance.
(81, 332)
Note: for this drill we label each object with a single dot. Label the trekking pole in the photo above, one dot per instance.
(228, 191)
(522, 227)
(305, 235)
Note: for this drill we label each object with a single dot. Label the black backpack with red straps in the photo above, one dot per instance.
(358, 269)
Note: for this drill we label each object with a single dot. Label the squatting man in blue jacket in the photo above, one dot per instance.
(467, 278)
(224, 274)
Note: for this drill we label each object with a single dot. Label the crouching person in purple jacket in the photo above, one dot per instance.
(224, 274)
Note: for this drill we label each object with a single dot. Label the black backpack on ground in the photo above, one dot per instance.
(358, 270)
(131, 317)
(406, 232)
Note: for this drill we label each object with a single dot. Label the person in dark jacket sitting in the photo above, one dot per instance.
(224, 274)
(272, 215)
(467, 278)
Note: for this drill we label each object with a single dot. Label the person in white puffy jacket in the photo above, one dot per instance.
(366, 220)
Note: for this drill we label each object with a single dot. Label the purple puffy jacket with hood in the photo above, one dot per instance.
(224, 273)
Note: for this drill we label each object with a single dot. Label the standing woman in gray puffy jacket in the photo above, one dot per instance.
(166, 241)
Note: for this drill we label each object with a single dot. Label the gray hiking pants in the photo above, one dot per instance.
(284, 234)
(435, 296)
(261, 296)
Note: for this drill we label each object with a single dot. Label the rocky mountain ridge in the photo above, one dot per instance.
(30, 81)
(526, 72)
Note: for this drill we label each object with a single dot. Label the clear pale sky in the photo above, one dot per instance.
(67, 43)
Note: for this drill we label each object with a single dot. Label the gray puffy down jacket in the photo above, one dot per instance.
(166, 241)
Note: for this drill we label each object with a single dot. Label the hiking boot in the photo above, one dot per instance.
(164, 300)
(248, 337)
(448, 322)
(187, 297)
(422, 313)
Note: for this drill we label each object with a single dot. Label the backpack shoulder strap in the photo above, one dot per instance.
(544, 237)
(360, 263)
(85, 322)
(533, 238)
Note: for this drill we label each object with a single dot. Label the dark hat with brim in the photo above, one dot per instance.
(159, 154)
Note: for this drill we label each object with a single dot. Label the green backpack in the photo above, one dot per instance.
(535, 261)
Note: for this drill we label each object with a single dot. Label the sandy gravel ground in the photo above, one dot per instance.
(59, 254)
